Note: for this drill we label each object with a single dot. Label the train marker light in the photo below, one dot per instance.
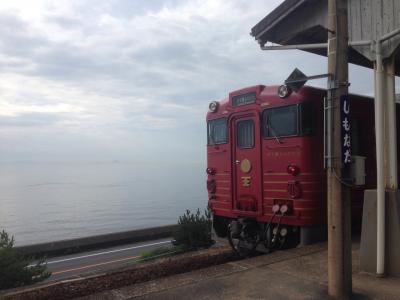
(293, 170)
(284, 91)
(210, 171)
(213, 106)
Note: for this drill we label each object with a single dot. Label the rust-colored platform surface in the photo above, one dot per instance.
(299, 273)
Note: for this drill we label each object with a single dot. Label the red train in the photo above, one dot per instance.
(265, 165)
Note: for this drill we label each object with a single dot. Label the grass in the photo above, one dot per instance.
(160, 252)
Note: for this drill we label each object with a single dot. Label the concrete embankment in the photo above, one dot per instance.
(97, 242)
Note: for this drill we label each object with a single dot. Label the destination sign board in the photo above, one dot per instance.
(244, 99)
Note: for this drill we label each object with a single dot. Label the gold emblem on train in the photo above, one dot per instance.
(245, 166)
(246, 181)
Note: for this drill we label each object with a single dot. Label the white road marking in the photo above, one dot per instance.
(106, 252)
(95, 265)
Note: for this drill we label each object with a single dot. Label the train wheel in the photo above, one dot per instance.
(244, 244)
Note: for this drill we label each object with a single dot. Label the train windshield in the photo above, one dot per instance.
(217, 131)
(286, 121)
(307, 115)
(280, 121)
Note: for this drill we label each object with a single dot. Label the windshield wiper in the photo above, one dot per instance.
(278, 139)
(211, 137)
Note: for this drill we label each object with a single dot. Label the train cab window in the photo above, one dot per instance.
(217, 131)
(245, 134)
(307, 118)
(280, 121)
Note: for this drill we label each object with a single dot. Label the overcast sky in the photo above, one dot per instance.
(129, 79)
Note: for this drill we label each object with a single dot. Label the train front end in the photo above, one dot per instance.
(265, 173)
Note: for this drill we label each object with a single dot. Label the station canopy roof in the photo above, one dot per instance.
(305, 22)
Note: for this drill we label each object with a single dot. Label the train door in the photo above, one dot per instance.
(246, 154)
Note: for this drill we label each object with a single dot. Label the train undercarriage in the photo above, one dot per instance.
(247, 236)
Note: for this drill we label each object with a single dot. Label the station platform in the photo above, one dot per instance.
(299, 273)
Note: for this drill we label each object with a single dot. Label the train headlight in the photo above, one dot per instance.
(213, 106)
(284, 91)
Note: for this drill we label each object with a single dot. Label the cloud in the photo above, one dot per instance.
(29, 120)
(117, 72)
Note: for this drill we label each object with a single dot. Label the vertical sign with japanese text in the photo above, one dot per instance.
(345, 132)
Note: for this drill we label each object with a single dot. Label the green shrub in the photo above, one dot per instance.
(155, 253)
(194, 230)
(17, 270)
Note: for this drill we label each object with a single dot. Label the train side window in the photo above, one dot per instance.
(245, 134)
(280, 121)
(217, 131)
(307, 118)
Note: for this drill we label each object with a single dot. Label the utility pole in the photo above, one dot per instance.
(339, 206)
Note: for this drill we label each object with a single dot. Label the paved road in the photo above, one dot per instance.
(85, 263)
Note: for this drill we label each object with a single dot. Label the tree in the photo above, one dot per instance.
(16, 269)
(194, 230)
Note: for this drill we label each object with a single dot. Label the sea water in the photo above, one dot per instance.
(42, 202)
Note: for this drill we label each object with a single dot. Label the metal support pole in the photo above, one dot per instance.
(295, 47)
(379, 123)
(339, 208)
(311, 46)
(389, 35)
(390, 126)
